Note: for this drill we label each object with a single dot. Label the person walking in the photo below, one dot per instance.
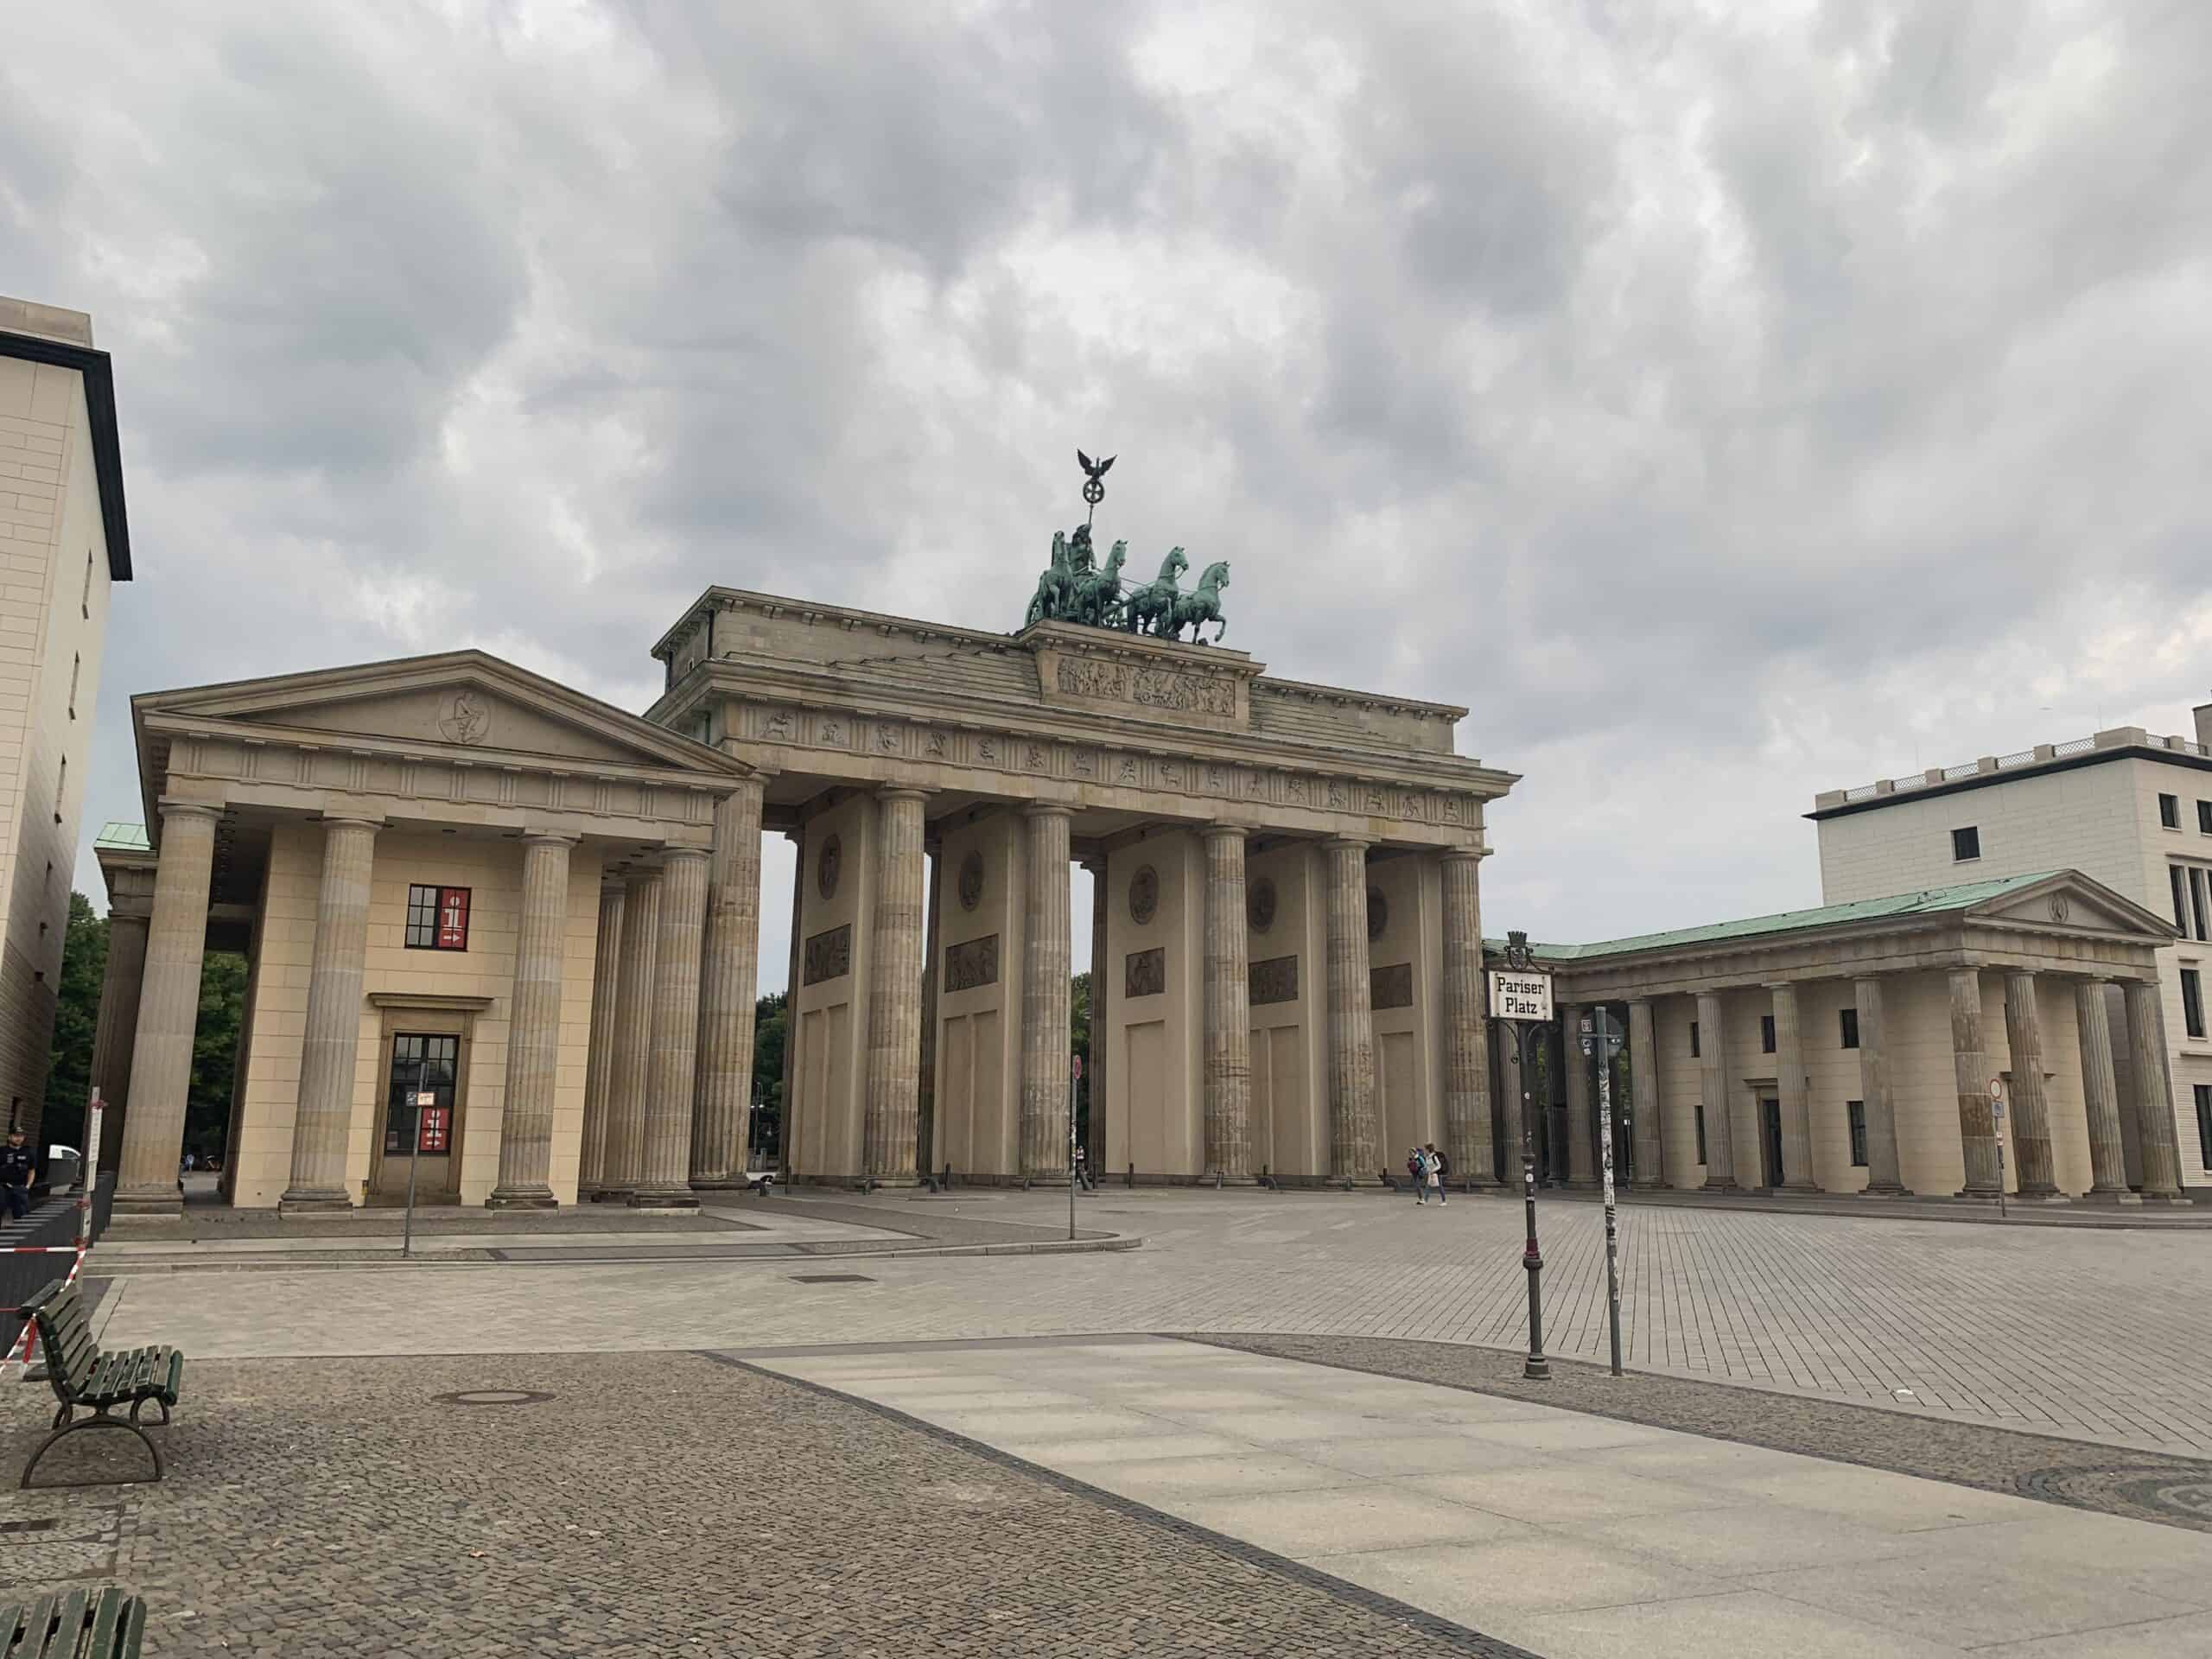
(1438, 1168)
(1417, 1168)
(18, 1164)
(1082, 1170)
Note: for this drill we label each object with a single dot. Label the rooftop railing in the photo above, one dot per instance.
(2120, 737)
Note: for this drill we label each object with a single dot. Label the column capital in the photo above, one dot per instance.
(1463, 854)
(1216, 830)
(903, 792)
(670, 856)
(548, 838)
(173, 807)
(357, 820)
(1349, 843)
(1046, 809)
(1639, 1002)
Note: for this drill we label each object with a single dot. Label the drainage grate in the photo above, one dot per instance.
(46, 1524)
(492, 1397)
(831, 1279)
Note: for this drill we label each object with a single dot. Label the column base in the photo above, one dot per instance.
(1799, 1189)
(611, 1195)
(1885, 1189)
(156, 1207)
(1726, 1185)
(663, 1197)
(2111, 1195)
(314, 1201)
(2173, 1198)
(522, 1197)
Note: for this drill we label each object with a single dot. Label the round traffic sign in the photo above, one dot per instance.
(1997, 1088)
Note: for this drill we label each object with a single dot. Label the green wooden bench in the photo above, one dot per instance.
(85, 1378)
(80, 1625)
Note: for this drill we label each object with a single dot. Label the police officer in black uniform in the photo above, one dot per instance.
(17, 1165)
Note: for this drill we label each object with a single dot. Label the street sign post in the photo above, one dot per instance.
(424, 1100)
(1602, 1043)
(1997, 1131)
(1517, 994)
(1521, 996)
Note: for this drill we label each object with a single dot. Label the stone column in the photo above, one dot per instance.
(1582, 1148)
(598, 1060)
(671, 1074)
(925, 1089)
(729, 975)
(534, 1029)
(1797, 1171)
(623, 1165)
(2154, 1090)
(1883, 1177)
(1227, 1070)
(787, 1119)
(117, 1031)
(1094, 1076)
(1647, 1132)
(1044, 997)
(1352, 1155)
(1970, 1067)
(332, 1042)
(168, 1007)
(2100, 1095)
(1466, 1023)
(2030, 1108)
(1712, 1076)
(894, 999)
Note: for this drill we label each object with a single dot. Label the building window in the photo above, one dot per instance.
(1766, 1033)
(1848, 1019)
(1965, 844)
(2181, 903)
(2169, 812)
(84, 601)
(437, 918)
(61, 788)
(2192, 1002)
(1694, 1051)
(1857, 1108)
(2205, 1124)
(2197, 900)
(2204, 817)
(76, 668)
(1700, 1131)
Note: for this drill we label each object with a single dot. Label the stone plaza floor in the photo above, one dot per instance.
(1287, 1424)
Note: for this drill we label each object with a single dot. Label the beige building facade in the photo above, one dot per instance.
(65, 541)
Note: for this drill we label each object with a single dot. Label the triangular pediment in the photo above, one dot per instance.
(462, 702)
(2072, 900)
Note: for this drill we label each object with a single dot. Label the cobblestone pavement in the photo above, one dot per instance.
(651, 1504)
(2090, 1333)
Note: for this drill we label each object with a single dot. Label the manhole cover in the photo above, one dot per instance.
(494, 1397)
(2179, 1496)
(831, 1279)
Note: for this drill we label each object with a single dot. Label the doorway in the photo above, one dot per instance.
(427, 1063)
(1771, 1139)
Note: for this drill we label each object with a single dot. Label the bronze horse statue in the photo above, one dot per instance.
(1155, 602)
(1193, 611)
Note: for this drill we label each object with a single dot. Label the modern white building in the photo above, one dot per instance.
(2131, 809)
(63, 542)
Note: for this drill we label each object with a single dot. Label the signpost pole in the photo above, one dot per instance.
(1520, 995)
(1997, 1127)
(423, 1098)
(1075, 1082)
(1601, 1041)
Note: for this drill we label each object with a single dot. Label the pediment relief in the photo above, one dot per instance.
(2071, 901)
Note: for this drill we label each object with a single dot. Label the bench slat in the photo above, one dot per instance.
(31, 1619)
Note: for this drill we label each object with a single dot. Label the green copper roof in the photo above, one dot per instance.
(1928, 901)
(123, 837)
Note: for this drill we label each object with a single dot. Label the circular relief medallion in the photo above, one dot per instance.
(971, 881)
(1378, 914)
(1259, 905)
(2058, 907)
(827, 863)
(1144, 895)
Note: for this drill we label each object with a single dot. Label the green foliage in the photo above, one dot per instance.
(214, 1051)
(1079, 1044)
(771, 1031)
(77, 1009)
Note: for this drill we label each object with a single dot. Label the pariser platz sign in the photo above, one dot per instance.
(1520, 993)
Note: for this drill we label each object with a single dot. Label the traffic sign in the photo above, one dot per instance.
(1997, 1088)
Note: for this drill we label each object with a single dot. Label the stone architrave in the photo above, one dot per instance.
(1713, 1076)
(1352, 1156)
(534, 1031)
(1795, 1174)
(1883, 1177)
(332, 1040)
(598, 1063)
(895, 1003)
(663, 1177)
(2100, 1095)
(1581, 1146)
(1228, 1036)
(2030, 1106)
(1970, 1067)
(117, 1031)
(728, 985)
(624, 1165)
(2154, 1098)
(1466, 1023)
(169, 1010)
(1045, 1068)
(1647, 1134)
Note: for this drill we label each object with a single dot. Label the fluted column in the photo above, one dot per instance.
(1045, 1030)
(2154, 1091)
(2031, 1109)
(1713, 1076)
(624, 1163)
(1466, 1023)
(169, 1008)
(534, 1029)
(1228, 1035)
(1795, 1174)
(932, 964)
(1883, 1177)
(1352, 1156)
(1094, 1081)
(1970, 1068)
(787, 1114)
(730, 972)
(117, 1031)
(598, 1058)
(1581, 1146)
(1647, 1132)
(333, 1042)
(663, 1177)
(894, 1001)
(2100, 1095)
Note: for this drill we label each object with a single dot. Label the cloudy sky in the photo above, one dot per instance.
(1724, 402)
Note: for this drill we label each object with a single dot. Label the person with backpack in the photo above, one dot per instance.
(1417, 1168)
(1440, 1167)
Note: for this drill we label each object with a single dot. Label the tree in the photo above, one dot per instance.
(76, 1014)
(771, 1031)
(214, 1052)
(1079, 1048)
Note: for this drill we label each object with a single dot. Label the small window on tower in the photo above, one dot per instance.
(1965, 844)
(1849, 1019)
(2169, 812)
